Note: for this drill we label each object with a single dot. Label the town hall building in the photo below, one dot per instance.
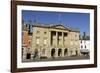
(53, 41)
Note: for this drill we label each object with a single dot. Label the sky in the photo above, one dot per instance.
(71, 19)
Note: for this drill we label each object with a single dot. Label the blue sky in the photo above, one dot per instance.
(72, 19)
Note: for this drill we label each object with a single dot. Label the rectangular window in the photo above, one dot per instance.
(85, 46)
(37, 40)
(45, 32)
(65, 34)
(81, 46)
(45, 41)
(38, 32)
(71, 42)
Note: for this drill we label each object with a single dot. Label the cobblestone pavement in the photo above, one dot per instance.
(59, 59)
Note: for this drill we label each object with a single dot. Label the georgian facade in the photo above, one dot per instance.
(51, 41)
(85, 44)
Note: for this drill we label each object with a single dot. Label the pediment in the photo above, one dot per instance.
(59, 26)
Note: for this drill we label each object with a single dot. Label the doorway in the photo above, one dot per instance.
(76, 52)
(53, 53)
(66, 52)
(59, 52)
(28, 56)
(36, 54)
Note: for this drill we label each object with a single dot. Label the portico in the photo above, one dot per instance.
(55, 41)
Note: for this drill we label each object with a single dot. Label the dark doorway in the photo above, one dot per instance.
(59, 52)
(53, 52)
(65, 52)
(28, 56)
(76, 52)
(36, 54)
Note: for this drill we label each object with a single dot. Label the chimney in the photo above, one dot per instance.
(29, 26)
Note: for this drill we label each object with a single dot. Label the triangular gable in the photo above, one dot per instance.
(59, 26)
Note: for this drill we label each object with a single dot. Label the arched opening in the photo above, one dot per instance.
(43, 54)
(76, 52)
(28, 56)
(71, 52)
(65, 52)
(36, 53)
(53, 53)
(59, 52)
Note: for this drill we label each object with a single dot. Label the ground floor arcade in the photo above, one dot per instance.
(41, 53)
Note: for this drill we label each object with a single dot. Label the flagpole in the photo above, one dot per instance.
(59, 18)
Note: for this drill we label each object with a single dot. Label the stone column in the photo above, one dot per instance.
(62, 39)
(63, 52)
(48, 49)
(56, 39)
(69, 52)
(48, 52)
(56, 44)
(49, 38)
(56, 52)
